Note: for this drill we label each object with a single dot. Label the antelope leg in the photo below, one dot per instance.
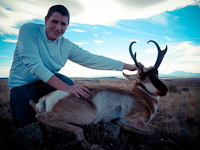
(137, 126)
(49, 119)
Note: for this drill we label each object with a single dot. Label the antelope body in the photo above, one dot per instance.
(132, 109)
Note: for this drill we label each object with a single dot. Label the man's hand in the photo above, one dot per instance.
(130, 67)
(79, 90)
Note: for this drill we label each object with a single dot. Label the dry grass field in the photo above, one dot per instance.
(177, 123)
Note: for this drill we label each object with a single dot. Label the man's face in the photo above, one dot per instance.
(56, 25)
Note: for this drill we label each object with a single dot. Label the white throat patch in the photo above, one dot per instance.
(151, 89)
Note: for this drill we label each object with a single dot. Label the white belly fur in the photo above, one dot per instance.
(46, 103)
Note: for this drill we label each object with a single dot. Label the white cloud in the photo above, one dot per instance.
(107, 33)
(10, 41)
(137, 41)
(16, 12)
(104, 12)
(77, 30)
(160, 19)
(183, 56)
(185, 52)
(98, 41)
(168, 38)
(81, 43)
(95, 35)
(4, 71)
(74, 70)
(150, 50)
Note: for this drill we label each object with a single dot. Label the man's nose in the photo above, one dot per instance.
(58, 27)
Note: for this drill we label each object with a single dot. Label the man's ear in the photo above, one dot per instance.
(46, 19)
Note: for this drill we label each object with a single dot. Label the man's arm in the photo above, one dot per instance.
(77, 90)
(28, 51)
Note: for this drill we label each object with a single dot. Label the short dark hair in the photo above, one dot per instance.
(58, 8)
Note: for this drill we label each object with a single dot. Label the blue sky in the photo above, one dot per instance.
(106, 27)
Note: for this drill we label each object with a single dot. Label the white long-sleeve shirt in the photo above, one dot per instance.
(37, 58)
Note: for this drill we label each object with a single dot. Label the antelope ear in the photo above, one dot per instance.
(130, 77)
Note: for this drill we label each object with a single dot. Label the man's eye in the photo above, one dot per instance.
(63, 24)
(54, 21)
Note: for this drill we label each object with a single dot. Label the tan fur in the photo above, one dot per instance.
(132, 109)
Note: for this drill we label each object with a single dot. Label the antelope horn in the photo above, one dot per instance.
(134, 57)
(161, 54)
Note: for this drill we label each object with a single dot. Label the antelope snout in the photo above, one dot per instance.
(161, 93)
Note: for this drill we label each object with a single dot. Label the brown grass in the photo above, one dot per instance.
(4, 92)
(177, 121)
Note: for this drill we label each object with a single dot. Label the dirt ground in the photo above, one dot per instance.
(31, 138)
(173, 132)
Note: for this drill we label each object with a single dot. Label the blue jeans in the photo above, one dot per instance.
(22, 112)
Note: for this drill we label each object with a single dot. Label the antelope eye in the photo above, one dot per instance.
(143, 77)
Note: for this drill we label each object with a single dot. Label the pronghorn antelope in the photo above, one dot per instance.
(132, 110)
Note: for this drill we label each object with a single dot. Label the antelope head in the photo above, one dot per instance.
(147, 78)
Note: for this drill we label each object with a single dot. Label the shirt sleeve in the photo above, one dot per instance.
(29, 53)
(87, 59)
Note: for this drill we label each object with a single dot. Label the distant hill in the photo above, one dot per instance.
(3, 78)
(181, 74)
(175, 74)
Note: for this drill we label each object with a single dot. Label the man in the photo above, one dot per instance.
(41, 51)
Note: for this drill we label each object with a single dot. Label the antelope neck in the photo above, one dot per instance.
(147, 100)
(146, 95)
